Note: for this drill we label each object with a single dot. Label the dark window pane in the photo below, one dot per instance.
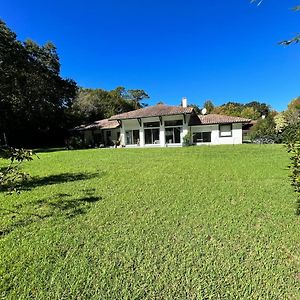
(169, 135)
(128, 137)
(151, 136)
(151, 124)
(148, 136)
(225, 130)
(206, 137)
(155, 133)
(197, 137)
(202, 137)
(136, 136)
(173, 123)
(177, 134)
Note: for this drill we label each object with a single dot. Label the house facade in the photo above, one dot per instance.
(165, 126)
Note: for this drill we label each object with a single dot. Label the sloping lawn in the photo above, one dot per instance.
(185, 223)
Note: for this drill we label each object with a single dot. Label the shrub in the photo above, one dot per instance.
(264, 140)
(263, 128)
(294, 150)
(75, 142)
(291, 133)
(187, 139)
(11, 177)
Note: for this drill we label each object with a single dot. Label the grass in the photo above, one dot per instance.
(183, 223)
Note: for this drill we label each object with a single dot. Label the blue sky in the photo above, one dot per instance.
(213, 49)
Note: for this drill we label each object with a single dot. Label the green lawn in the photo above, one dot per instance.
(183, 223)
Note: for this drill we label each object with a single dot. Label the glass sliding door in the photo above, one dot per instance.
(173, 135)
(132, 137)
(152, 136)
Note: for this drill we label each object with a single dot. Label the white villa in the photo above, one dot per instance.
(164, 126)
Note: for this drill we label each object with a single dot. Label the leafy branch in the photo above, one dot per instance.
(11, 176)
(294, 40)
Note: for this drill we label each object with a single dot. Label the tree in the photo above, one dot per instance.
(136, 96)
(263, 128)
(252, 110)
(280, 122)
(292, 114)
(96, 104)
(208, 104)
(249, 112)
(196, 108)
(33, 95)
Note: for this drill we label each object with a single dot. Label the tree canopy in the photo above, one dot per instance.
(96, 104)
(37, 105)
(33, 95)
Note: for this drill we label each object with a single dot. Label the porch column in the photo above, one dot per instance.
(122, 135)
(162, 135)
(185, 127)
(142, 136)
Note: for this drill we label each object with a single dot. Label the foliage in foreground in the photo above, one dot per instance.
(11, 176)
(294, 150)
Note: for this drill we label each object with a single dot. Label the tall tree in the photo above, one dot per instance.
(95, 104)
(208, 104)
(33, 95)
(136, 96)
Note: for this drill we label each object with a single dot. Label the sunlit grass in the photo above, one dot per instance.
(203, 222)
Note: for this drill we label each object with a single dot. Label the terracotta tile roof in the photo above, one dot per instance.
(221, 119)
(153, 111)
(101, 124)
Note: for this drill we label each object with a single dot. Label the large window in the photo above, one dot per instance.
(202, 137)
(225, 130)
(173, 135)
(174, 123)
(132, 137)
(152, 136)
(173, 129)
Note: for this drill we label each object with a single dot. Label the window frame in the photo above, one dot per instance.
(152, 140)
(132, 136)
(174, 125)
(220, 132)
(201, 132)
(173, 133)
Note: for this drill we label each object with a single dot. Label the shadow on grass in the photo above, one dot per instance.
(59, 206)
(57, 179)
(49, 150)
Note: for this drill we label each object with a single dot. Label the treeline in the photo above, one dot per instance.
(269, 126)
(96, 104)
(37, 105)
(252, 110)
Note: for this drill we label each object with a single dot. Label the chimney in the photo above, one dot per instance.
(184, 102)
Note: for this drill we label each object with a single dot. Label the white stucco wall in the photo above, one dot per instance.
(236, 138)
(134, 125)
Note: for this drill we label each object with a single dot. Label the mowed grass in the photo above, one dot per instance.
(183, 223)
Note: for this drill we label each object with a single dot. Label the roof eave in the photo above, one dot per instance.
(150, 116)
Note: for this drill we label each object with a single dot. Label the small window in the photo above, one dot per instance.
(151, 124)
(225, 130)
(202, 137)
(173, 123)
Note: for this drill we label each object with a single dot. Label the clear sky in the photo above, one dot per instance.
(224, 50)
